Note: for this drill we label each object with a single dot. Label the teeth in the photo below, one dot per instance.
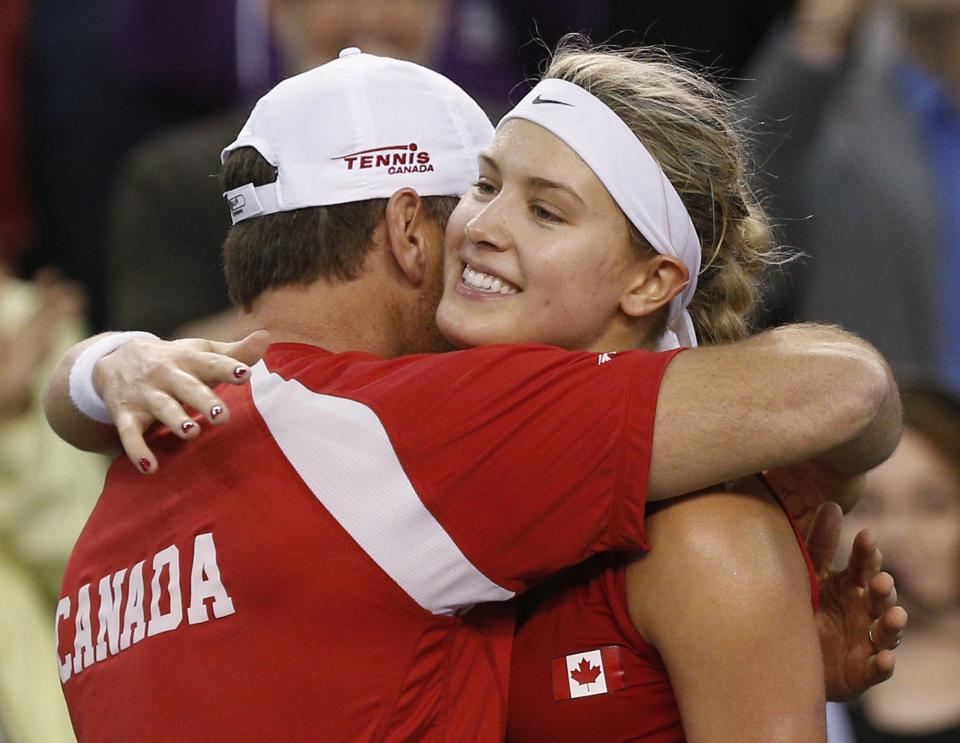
(487, 283)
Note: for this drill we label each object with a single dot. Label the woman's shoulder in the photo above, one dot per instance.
(720, 546)
(720, 522)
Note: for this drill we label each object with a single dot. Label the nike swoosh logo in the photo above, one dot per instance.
(540, 99)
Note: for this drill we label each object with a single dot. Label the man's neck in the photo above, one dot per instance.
(327, 315)
(358, 315)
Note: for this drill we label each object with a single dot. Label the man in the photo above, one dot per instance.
(166, 221)
(339, 533)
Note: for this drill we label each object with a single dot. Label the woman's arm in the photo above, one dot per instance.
(145, 381)
(724, 596)
(64, 418)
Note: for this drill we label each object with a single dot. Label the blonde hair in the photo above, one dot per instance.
(687, 124)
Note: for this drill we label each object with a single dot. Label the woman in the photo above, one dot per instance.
(912, 502)
(541, 251)
(579, 236)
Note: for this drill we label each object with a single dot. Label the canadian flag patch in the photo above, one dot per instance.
(588, 673)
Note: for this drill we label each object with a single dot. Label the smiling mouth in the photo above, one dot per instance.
(484, 282)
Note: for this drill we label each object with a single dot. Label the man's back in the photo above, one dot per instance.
(305, 571)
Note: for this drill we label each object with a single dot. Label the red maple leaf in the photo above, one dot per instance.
(585, 673)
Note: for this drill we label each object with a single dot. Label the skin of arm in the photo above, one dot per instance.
(793, 394)
(724, 597)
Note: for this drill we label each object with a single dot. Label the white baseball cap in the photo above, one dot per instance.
(360, 127)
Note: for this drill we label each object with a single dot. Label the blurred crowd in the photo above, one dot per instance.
(112, 119)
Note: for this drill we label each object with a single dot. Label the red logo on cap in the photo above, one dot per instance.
(399, 158)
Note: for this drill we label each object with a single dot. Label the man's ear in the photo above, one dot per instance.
(404, 227)
(657, 281)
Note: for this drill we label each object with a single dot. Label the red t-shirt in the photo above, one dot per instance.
(582, 672)
(305, 572)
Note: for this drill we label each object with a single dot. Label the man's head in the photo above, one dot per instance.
(362, 153)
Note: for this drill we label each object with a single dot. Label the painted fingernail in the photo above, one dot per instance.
(240, 372)
(216, 411)
(145, 465)
(187, 426)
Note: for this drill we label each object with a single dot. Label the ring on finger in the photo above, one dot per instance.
(873, 642)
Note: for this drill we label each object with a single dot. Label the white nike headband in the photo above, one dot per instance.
(630, 174)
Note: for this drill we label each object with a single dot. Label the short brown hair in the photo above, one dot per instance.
(300, 246)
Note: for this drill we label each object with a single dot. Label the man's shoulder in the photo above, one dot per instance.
(315, 366)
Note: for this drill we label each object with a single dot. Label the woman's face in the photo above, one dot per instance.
(912, 504)
(537, 251)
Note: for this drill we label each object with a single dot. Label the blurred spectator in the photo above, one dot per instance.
(200, 57)
(912, 504)
(46, 492)
(100, 76)
(862, 100)
(165, 224)
(314, 31)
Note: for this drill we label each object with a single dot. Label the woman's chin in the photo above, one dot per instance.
(464, 333)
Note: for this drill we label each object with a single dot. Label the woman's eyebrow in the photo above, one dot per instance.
(534, 181)
(537, 182)
(489, 161)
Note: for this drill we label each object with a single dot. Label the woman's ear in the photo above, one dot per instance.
(404, 223)
(658, 281)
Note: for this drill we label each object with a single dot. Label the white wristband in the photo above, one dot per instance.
(82, 391)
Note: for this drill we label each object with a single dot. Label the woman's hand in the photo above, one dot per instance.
(858, 620)
(151, 380)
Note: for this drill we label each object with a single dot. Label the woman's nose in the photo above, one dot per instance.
(488, 228)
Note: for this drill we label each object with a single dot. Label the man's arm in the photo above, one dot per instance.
(788, 395)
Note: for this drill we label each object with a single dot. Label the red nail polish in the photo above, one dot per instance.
(240, 372)
(216, 411)
(187, 426)
(145, 465)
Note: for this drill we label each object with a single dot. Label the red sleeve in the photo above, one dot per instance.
(531, 457)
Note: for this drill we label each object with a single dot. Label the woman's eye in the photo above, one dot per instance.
(485, 187)
(544, 214)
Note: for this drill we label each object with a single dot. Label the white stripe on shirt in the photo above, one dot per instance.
(342, 452)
